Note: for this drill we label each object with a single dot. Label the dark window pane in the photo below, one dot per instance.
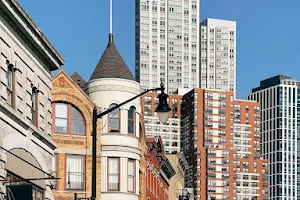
(77, 126)
(76, 114)
(114, 123)
(130, 126)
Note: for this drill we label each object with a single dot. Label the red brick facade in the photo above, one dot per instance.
(158, 171)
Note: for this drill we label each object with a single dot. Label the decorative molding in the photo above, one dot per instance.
(61, 82)
(24, 38)
(112, 87)
(73, 142)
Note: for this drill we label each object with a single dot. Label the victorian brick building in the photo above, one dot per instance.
(159, 170)
(72, 132)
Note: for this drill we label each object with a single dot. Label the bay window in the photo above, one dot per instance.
(113, 174)
(75, 172)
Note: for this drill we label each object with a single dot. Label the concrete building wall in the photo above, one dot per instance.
(218, 54)
(167, 43)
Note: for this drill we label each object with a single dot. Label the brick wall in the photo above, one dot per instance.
(65, 90)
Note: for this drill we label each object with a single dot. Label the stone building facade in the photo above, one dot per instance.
(26, 60)
(72, 132)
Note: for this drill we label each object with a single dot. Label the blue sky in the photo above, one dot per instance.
(268, 34)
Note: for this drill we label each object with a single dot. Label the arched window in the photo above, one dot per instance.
(131, 120)
(114, 119)
(68, 119)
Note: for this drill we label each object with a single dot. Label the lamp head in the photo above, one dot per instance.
(163, 108)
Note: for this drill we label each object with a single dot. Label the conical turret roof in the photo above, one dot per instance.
(111, 64)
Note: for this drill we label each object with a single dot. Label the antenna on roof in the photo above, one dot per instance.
(111, 40)
(110, 19)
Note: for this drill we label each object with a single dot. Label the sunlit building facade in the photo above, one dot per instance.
(218, 54)
(220, 139)
(167, 43)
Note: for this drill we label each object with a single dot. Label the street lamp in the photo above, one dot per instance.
(162, 110)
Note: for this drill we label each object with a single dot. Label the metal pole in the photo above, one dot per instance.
(94, 143)
(94, 154)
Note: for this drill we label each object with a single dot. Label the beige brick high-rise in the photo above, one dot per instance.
(221, 142)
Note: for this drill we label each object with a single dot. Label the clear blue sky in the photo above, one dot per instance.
(268, 33)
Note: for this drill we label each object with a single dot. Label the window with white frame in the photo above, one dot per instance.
(114, 119)
(131, 120)
(75, 172)
(131, 175)
(113, 174)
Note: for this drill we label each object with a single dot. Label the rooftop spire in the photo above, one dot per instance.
(111, 17)
(111, 38)
(111, 64)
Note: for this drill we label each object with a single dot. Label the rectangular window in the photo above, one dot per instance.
(34, 107)
(113, 174)
(75, 172)
(9, 87)
(131, 175)
(10, 84)
(61, 118)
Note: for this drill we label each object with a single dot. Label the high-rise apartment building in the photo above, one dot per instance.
(218, 54)
(167, 43)
(279, 98)
(220, 138)
(170, 132)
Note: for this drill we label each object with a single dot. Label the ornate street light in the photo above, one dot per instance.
(162, 110)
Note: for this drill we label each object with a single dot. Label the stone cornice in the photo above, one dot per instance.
(112, 87)
(17, 18)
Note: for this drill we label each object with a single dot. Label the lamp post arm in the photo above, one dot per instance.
(125, 102)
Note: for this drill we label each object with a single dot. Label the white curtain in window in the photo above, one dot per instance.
(130, 175)
(113, 173)
(74, 172)
(61, 110)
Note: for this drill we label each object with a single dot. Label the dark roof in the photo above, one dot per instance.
(269, 82)
(111, 64)
(78, 80)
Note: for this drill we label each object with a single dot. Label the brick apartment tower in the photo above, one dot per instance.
(221, 141)
(170, 132)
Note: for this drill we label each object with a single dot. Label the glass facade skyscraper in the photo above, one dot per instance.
(279, 97)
